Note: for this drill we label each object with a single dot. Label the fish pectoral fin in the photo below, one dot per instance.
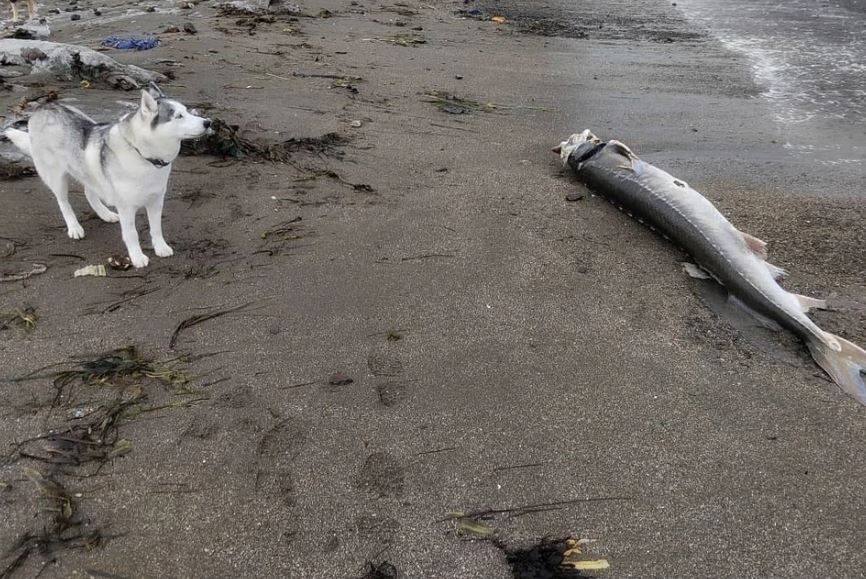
(807, 303)
(623, 150)
(695, 271)
(776, 271)
(761, 319)
(755, 245)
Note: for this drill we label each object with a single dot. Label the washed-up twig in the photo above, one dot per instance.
(400, 40)
(426, 256)
(199, 319)
(541, 507)
(69, 255)
(272, 75)
(316, 173)
(134, 294)
(453, 127)
(438, 450)
(330, 76)
(38, 268)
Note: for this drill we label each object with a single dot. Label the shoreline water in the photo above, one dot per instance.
(809, 59)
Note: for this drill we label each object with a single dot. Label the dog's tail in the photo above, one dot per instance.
(19, 138)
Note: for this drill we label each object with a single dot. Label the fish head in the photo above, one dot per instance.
(566, 148)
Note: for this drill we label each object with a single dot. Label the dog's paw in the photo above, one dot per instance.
(163, 249)
(109, 217)
(139, 261)
(75, 231)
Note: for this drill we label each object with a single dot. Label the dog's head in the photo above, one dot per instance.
(170, 119)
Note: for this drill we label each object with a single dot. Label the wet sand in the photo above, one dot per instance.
(507, 348)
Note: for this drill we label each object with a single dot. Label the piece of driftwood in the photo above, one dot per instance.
(70, 62)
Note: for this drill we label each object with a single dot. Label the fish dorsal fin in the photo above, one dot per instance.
(755, 245)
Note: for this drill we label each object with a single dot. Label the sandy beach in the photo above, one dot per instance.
(410, 320)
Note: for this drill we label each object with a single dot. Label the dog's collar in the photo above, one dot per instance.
(158, 163)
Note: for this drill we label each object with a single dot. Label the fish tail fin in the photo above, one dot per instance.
(20, 139)
(843, 361)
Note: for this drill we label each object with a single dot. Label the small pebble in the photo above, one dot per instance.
(75, 17)
(357, 124)
(97, 12)
(574, 196)
(190, 28)
(150, 9)
(458, 76)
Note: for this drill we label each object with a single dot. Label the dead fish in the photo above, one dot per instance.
(735, 259)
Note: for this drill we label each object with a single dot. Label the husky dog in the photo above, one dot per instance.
(31, 9)
(124, 164)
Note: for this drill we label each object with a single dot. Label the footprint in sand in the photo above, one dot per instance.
(277, 450)
(381, 475)
(386, 365)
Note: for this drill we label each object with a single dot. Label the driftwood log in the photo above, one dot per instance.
(71, 62)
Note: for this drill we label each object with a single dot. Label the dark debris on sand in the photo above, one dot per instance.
(63, 526)
(224, 141)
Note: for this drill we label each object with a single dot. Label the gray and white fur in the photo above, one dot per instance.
(123, 165)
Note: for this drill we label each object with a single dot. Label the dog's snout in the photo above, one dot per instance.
(207, 123)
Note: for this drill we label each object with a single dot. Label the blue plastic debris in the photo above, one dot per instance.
(130, 43)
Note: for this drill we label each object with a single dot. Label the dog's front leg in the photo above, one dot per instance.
(154, 219)
(130, 236)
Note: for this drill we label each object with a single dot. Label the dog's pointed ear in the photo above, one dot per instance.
(148, 103)
(155, 91)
